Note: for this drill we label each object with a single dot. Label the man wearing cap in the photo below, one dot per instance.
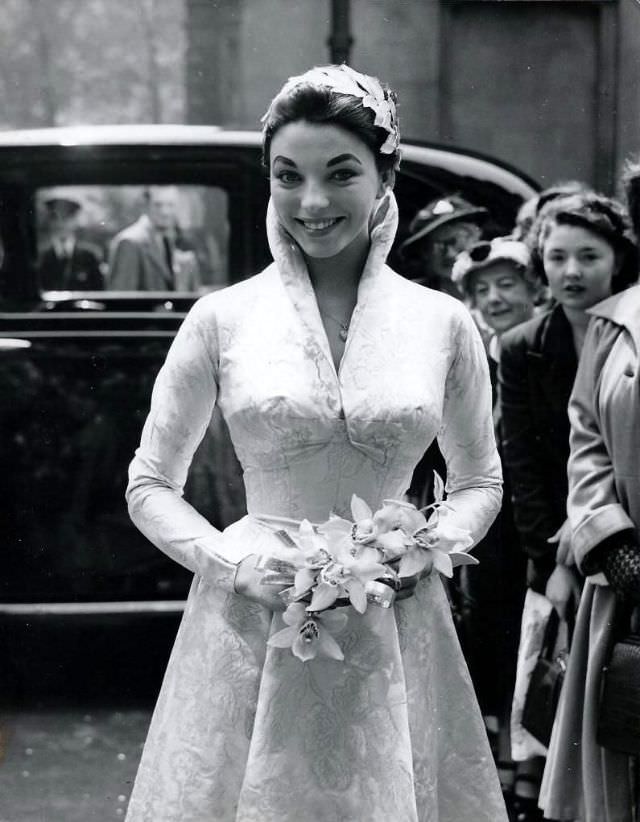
(67, 263)
(438, 233)
(145, 256)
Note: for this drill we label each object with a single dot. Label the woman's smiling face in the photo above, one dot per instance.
(502, 295)
(324, 186)
(579, 265)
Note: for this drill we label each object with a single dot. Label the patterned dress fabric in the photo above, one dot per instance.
(247, 733)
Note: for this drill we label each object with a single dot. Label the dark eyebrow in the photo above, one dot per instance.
(284, 160)
(341, 158)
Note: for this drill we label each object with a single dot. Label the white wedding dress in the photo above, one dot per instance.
(247, 733)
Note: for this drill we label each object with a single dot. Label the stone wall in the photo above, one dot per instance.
(552, 87)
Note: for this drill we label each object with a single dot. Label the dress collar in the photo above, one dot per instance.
(623, 309)
(293, 271)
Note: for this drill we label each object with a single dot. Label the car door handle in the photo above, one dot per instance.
(9, 344)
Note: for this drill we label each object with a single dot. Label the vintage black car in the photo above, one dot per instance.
(78, 360)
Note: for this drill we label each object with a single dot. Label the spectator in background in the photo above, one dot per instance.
(604, 512)
(67, 263)
(580, 246)
(530, 209)
(438, 233)
(147, 255)
(496, 280)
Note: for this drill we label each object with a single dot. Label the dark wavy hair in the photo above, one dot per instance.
(604, 216)
(322, 105)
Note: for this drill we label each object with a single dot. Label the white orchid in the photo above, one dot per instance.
(310, 634)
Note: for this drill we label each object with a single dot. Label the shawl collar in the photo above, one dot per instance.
(622, 309)
(297, 283)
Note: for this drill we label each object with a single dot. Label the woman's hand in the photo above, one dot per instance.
(564, 552)
(563, 590)
(249, 583)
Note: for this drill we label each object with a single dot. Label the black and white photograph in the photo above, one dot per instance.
(320, 411)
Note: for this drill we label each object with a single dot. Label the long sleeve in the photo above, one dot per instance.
(182, 403)
(528, 474)
(593, 507)
(466, 437)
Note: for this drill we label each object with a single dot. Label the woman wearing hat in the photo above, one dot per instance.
(498, 284)
(581, 248)
(437, 234)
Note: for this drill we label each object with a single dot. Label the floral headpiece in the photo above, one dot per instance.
(345, 80)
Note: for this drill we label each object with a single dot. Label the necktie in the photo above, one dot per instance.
(168, 256)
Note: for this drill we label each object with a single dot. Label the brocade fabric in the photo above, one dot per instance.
(250, 733)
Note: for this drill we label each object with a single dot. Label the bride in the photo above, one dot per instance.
(334, 374)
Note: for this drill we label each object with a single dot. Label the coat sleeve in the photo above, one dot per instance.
(183, 399)
(594, 510)
(533, 515)
(467, 438)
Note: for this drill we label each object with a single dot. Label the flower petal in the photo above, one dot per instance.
(359, 509)
(368, 553)
(438, 487)
(364, 569)
(327, 645)
(310, 541)
(323, 597)
(415, 562)
(442, 562)
(295, 614)
(393, 543)
(357, 595)
(336, 526)
(305, 579)
(462, 558)
(305, 650)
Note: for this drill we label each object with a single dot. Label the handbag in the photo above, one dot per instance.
(619, 714)
(543, 693)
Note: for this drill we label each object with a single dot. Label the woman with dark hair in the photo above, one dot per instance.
(581, 247)
(333, 374)
(584, 779)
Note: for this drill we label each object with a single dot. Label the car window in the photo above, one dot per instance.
(132, 238)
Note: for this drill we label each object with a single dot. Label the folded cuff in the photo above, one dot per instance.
(601, 524)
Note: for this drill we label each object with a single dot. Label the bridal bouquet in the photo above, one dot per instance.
(354, 563)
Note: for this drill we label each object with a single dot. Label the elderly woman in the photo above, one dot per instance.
(500, 286)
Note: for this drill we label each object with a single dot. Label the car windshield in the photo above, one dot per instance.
(132, 238)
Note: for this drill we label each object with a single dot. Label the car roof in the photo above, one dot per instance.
(460, 161)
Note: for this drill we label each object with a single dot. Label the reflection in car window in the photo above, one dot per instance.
(132, 238)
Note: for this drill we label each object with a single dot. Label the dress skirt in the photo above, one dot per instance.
(243, 732)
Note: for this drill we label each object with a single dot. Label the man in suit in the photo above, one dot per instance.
(146, 255)
(67, 263)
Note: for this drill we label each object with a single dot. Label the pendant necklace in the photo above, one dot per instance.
(343, 333)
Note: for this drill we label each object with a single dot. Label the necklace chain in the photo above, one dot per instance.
(343, 326)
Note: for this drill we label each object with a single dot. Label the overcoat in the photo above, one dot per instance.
(583, 780)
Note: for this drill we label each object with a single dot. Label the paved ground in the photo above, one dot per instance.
(68, 765)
